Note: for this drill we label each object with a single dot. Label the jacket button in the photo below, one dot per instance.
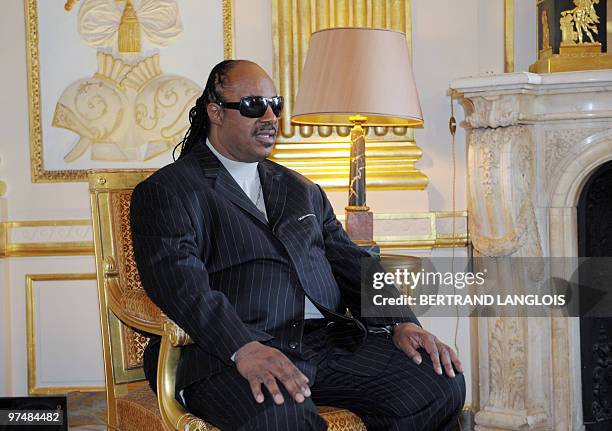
(293, 344)
(295, 323)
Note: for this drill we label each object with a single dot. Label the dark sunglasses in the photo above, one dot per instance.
(256, 106)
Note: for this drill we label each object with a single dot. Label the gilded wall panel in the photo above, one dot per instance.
(420, 230)
(322, 153)
(31, 238)
(33, 338)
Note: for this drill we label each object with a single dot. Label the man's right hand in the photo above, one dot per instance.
(259, 364)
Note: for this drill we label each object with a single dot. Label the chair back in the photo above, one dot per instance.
(125, 309)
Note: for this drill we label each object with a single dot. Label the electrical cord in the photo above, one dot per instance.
(452, 126)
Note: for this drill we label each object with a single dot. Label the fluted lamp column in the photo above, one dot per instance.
(358, 77)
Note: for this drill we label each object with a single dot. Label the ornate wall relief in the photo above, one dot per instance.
(126, 111)
(112, 84)
(501, 199)
(507, 354)
(492, 111)
(560, 146)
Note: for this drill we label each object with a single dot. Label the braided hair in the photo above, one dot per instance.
(198, 115)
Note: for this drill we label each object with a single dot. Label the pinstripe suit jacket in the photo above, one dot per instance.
(226, 275)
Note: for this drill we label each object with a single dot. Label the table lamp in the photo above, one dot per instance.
(358, 77)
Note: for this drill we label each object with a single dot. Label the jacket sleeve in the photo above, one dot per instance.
(175, 277)
(350, 265)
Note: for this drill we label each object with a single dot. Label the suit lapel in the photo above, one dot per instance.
(224, 183)
(227, 186)
(274, 191)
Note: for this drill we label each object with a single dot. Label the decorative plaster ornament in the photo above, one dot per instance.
(126, 113)
(101, 22)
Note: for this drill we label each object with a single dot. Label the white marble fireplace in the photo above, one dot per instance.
(533, 141)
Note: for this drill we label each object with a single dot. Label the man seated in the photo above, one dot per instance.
(249, 259)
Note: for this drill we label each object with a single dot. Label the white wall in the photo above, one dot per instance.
(451, 39)
(525, 33)
(253, 32)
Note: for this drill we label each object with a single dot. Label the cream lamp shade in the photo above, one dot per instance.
(353, 71)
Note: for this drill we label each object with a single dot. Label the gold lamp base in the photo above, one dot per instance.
(359, 222)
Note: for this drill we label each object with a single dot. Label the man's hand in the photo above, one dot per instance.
(408, 337)
(259, 364)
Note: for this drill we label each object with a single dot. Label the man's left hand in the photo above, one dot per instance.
(408, 337)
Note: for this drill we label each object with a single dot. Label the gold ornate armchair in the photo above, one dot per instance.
(126, 311)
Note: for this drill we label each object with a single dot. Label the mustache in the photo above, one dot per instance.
(264, 128)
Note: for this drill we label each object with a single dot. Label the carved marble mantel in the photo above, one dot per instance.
(533, 140)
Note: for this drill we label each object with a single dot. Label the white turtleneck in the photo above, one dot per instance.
(247, 177)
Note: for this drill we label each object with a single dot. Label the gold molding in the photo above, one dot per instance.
(38, 172)
(434, 239)
(31, 333)
(3, 240)
(322, 153)
(8, 248)
(45, 223)
(39, 249)
(228, 29)
(509, 36)
(390, 162)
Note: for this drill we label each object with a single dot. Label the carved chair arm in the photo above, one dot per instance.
(172, 412)
(176, 335)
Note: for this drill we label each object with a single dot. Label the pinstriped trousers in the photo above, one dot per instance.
(378, 382)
